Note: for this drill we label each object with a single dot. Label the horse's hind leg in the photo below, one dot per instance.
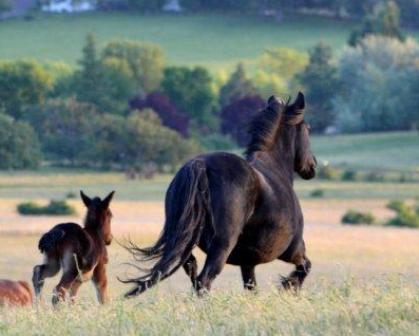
(249, 277)
(191, 269)
(302, 268)
(50, 268)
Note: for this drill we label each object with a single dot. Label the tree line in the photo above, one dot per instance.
(123, 107)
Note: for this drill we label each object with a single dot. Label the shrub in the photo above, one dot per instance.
(326, 172)
(357, 217)
(349, 175)
(406, 215)
(71, 195)
(53, 208)
(317, 193)
(374, 177)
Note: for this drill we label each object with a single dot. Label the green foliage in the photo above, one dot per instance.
(217, 142)
(65, 128)
(89, 77)
(406, 215)
(357, 217)
(349, 175)
(317, 193)
(71, 195)
(143, 62)
(19, 146)
(191, 90)
(379, 80)
(237, 86)
(22, 84)
(284, 62)
(54, 208)
(319, 80)
(138, 140)
(325, 171)
(384, 20)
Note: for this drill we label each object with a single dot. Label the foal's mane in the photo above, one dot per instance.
(264, 127)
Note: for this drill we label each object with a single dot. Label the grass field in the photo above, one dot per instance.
(364, 281)
(214, 40)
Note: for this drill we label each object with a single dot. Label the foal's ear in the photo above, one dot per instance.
(108, 199)
(86, 200)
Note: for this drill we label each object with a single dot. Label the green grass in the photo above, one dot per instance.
(214, 40)
(380, 307)
(387, 151)
(396, 152)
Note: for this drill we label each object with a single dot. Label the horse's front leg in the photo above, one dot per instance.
(302, 268)
(100, 280)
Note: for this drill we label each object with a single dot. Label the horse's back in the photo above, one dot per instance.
(15, 293)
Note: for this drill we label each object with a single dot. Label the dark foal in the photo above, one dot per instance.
(240, 211)
(79, 251)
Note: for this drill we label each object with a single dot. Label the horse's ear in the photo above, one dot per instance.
(299, 103)
(275, 103)
(108, 199)
(86, 200)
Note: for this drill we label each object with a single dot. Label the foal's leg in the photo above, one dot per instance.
(50, 268)
(191, 269)
(74, 289)
(69, 278)
(100, 281)
(248, 276)
(302, 268)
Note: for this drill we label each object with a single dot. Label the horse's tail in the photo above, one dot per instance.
(187, 209)
(48, 241)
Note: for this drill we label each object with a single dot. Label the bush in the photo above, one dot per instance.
(317, 193)
(356, 217)
(406, 215)
(71, 195)
(326, 172)
(349, 175)
(374, 177)
(53, 208)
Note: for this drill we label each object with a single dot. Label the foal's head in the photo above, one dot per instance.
(99, 215)
(293, 119)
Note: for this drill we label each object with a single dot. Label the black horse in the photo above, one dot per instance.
(238, 211)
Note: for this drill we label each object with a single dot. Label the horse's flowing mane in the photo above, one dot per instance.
(264, 126)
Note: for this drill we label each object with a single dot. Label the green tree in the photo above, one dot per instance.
(378, 86)
(237, 86)
(89, 78)
(138, 140)
(284, 62)
(143, 61)
(191, 90)
(23, 84)
(383, 20)
(19, 145)
(66, 129)
(319, 79)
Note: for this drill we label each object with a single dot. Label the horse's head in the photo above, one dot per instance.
(99, 215)
(297, 134)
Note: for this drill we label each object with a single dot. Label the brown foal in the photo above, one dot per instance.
(79, 251)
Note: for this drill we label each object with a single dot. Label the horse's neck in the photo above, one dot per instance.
(273, 166)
